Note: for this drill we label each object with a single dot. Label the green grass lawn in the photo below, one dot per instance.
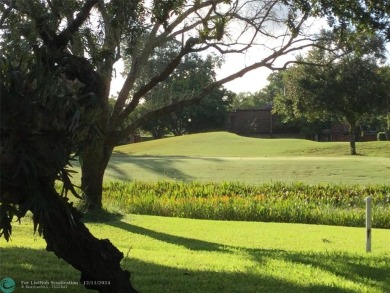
(225, 144)
(184, 255)
(222, 156)
(346, 170)
(187, 255)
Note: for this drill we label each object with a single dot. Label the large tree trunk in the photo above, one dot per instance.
(94, 160)
(69, 239)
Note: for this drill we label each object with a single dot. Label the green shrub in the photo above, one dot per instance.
(381, 136)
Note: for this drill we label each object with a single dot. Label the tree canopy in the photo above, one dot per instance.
(84, 40)
(350, 89)
(77, 43)
(189, 77)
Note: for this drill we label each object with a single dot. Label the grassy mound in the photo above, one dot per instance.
(222, 156)
(224, 144)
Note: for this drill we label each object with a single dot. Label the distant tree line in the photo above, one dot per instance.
(325, 86)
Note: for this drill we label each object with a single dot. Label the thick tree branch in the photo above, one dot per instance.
(50, 38)
(188, 12)
(153, 82)
(153, 41)
(78, 68)
(65, 36)
(325, 64)
(266, 62)
(136, 65)
(165, 110)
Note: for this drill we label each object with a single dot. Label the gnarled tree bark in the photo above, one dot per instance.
(97, 259)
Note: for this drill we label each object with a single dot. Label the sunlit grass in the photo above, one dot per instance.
(182, 255)
(221, 156)
(345, 170)
(224, 144)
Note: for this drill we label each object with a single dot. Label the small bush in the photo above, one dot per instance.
(381, 136)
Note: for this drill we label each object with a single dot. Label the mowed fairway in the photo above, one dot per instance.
(222, 156)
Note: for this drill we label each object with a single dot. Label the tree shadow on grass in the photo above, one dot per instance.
(358, 269)
(162, 166)
(374, 272)
(36, 265)
(174, 280)
(24, 264)
(189, 243)
(355, 268)
(351, 267)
